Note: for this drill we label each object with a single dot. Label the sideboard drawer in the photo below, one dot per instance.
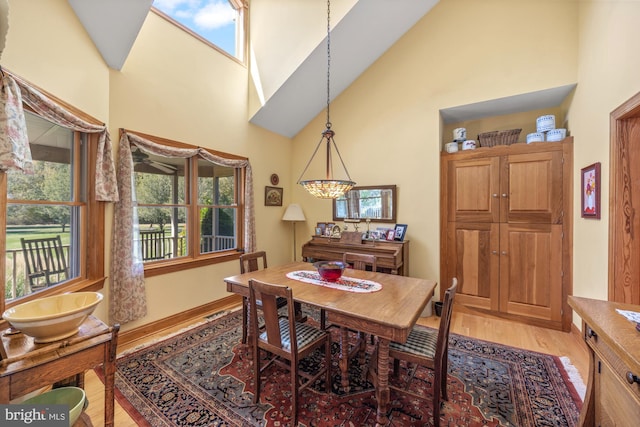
(616, 366)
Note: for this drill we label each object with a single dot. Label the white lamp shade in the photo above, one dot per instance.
(293, 213)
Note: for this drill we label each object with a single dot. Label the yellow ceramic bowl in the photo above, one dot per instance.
(73, 397)
(53, 318)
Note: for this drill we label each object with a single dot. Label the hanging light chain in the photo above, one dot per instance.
(328, 61)
(328, 188)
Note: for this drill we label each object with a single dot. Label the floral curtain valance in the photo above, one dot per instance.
(19, 155)
(15, 153)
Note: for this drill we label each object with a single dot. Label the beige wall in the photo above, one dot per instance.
(388, 125)
(171, 86)
(607, 76)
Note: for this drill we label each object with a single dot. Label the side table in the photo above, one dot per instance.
(30, 366)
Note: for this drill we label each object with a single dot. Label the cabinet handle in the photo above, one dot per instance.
(504, 195)
(495, 195)
(494, 252)
(504, 252)
(631, 378)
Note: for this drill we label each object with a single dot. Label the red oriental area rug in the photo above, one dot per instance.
(202, 377)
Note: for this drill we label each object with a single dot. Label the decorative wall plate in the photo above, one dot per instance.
(275, 179)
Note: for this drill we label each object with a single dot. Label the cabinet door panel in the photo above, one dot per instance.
(531, 191)
(474, 190)
(473, 259)
(531, 270)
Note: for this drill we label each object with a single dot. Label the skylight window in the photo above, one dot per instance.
(220, 22)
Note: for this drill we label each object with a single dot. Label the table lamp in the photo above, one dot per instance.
(294, 213)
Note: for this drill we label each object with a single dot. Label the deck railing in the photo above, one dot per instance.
(16, 274)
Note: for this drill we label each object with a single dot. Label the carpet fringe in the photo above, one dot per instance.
(146, 344)
(574, 376)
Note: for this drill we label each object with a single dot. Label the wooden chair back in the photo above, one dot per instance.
(253, 261)
(286, 340)
(441, 357)
(268, 295)
(45, 261)
(360, 261)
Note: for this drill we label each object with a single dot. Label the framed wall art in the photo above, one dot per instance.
(590, 206)
(273, 196)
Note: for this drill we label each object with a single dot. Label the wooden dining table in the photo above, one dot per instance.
(389, 313)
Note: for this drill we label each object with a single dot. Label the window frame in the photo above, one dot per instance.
(194, 258)
(91, 275)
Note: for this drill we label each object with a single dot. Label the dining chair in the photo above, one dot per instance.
(251, 262)
(45, 261)
(360, 261)
(430, 348)
(285, 341)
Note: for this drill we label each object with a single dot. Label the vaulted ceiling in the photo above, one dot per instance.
(367, 30)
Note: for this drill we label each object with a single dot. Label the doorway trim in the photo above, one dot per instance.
(624, 224)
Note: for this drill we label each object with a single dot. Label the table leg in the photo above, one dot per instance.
(382, 388)
(344, 359)
(109, 376)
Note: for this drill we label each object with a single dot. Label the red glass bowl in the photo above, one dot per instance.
(330, 270)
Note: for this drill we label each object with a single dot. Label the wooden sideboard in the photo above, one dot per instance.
(613, 388)
(30, 366)
(391, 256)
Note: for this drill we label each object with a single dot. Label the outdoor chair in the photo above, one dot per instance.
(428, 347)
(251, 262)
(285, 341)
(45, 262)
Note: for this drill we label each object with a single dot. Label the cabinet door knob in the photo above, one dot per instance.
(631, 378)
(504, 252)
(495, 195)
(504, 194)
(494, 252)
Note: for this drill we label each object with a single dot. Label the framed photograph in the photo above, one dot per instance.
(399, 232)
(321, 229)
(390, 234)
(273, 196)
(374, 235)
(590, 207)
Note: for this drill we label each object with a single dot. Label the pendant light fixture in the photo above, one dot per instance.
(329, 187)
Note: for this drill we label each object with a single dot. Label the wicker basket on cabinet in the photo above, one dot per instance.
(505, 137)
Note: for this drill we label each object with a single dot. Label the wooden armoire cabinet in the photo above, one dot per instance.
(506, 229)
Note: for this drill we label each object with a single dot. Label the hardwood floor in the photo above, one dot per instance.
(464, 322)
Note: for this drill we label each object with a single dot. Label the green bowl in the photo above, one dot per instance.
(74, 397)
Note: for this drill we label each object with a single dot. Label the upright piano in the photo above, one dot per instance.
(391, 256)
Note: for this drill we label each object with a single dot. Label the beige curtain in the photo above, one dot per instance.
(128, 296)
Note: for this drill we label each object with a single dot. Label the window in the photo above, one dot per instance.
(48, 215)
(187, 208)
(220, 22)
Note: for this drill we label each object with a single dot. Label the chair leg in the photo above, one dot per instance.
(245, 318)
(323, 319)
(436, 407)
(396, 368)
(256, 373)
(294, 392)
(327, 361)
